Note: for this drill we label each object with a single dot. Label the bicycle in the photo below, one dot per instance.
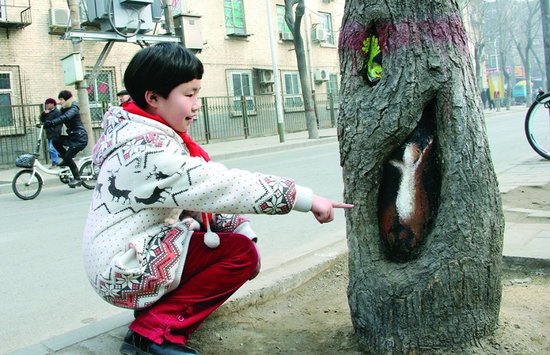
(27, 182)
(537, 125)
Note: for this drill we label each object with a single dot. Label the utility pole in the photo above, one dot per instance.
(545, 18)
(81, 86)
(277, 84)
(168, 17)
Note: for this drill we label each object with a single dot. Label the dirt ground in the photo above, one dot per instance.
(315, 318)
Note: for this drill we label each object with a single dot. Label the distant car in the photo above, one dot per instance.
(519, 93)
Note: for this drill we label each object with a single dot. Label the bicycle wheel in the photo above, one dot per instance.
(537, 125)
(88, 175)
(25, 185)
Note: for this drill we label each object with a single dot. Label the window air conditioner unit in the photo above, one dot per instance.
(266, 76)
(59, 17)
(59, 20)
(321, 75)
(319, 34)
(286, 36)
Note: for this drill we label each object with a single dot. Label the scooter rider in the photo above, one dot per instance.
(76, 138)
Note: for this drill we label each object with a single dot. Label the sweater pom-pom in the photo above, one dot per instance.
(211, 239)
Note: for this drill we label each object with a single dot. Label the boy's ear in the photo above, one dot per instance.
(151, 98)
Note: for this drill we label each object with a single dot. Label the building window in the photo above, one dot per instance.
(292, 92)
(234, 17)
(284, 32)
(6, 114)
(240, 83)
(326, 20)
(332, 85)
(2, 10)
(101, 92)
(333, 89)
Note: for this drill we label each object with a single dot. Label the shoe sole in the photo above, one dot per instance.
(129, 349)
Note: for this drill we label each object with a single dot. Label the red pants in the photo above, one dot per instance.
(210, 277)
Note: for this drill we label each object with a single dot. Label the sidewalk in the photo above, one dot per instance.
(523, 244)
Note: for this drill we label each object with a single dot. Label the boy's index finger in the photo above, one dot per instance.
(342, 205)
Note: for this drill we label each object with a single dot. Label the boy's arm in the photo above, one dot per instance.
(196, 185)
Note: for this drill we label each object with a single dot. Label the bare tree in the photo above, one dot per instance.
(294, 22)
(504, 18)
(524, 34)
(477, 12)
(425, 235)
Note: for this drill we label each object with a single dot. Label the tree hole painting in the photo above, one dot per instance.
(409, 191)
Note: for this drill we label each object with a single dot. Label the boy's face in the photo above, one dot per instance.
(181, 106)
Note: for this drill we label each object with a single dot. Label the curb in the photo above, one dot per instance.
(271, 149)
(526, 264)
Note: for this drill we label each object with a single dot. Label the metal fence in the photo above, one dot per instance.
(221, 118)
(18, 132)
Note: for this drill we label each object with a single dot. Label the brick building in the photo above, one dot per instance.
(232, 38)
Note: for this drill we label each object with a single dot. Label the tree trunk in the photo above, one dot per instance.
(294, 23)
(527, 66)
(425, 235)
(545, 14)
(81, 86)
(507, 94)
(478, 57)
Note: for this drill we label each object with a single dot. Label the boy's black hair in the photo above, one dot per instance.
(160, 68)
(65, 95)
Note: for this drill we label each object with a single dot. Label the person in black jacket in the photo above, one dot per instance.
(76, 138)
(52, 134)
(123, 96)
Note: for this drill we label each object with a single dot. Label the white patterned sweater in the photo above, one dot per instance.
(134, 244)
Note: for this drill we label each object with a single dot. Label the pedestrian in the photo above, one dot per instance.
(123, 96)
(484, 98)
(497, 100)
(52, 133)
(490, 99)
(165, 235)
(76, 138)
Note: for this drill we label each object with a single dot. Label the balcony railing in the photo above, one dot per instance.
(15, 13)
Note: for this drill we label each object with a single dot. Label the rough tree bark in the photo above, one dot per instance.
(435, 282)
(294, 22)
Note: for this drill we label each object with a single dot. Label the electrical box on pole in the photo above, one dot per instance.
(72, 68)
(188, 28)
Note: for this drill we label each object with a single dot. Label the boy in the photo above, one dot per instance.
(147, 243)
(52, 133)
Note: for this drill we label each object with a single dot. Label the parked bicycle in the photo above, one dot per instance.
(27, 182)
(537, 125)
